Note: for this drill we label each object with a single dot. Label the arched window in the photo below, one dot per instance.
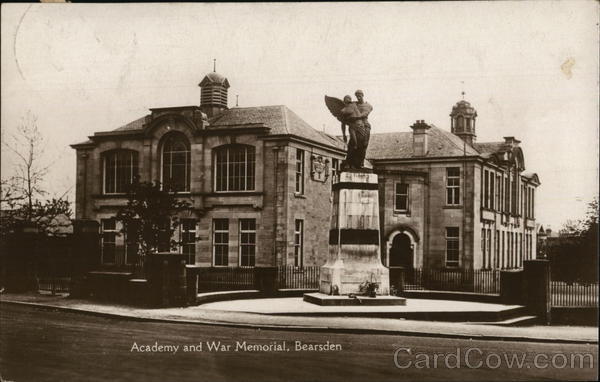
(120, 168)
(176, 163)
(234, 168)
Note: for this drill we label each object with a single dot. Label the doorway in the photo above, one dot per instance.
(401, 252)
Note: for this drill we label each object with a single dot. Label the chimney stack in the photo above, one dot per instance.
(512, 141)
(420, 138)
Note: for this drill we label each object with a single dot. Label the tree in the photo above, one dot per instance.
(574, 255)
(151, 217)
(28, 147)
(21, 194)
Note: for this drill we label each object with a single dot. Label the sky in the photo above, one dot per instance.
(529, 68)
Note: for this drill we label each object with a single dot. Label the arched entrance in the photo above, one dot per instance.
(401, 252)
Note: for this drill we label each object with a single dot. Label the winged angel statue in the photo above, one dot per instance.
(354, 115)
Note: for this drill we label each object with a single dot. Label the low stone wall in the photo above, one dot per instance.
(574, 316)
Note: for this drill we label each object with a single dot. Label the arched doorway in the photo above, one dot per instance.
(401, 252)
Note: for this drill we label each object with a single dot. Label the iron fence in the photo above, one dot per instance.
(574, 294)
(484, 281)
(225, 278)
(54, 284)
(290, 277)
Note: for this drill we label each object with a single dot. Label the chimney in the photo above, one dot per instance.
(420, 138)
(512, 141)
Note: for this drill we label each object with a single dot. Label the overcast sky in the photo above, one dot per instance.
(529, 68)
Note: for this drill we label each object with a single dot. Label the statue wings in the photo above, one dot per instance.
(335, 105)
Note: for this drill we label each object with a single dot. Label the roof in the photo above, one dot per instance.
(214, 78)
(400, 145)
(491, 147)
(463, 107)
(133, 125)
(280, 119)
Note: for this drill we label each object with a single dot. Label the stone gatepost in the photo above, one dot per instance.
(166, 274)
(354, 250)
(22, 259)
(536, 283)
(86, 254)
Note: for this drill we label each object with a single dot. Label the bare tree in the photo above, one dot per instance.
(21, 194)
(28, 146)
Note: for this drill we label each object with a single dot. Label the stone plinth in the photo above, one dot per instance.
(354, 254)
(326, 300)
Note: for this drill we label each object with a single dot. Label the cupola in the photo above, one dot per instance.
(213, 94)
(462, 121)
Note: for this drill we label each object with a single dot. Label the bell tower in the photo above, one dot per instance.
(462, 121)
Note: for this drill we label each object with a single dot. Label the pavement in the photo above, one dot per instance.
(296, 305)
(226, 314)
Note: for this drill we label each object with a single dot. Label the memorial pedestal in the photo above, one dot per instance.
(354, 249)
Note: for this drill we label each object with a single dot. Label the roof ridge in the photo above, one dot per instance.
(254, 107)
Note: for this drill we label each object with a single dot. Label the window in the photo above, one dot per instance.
(109, 236)
(188, 239)
(483, 246)
(506, 195)
(533, 203)
(247, 242)
(299, 171)
(513, 197)
(497, 196)
(453, 186)
(497, 250)
(335, 168)
(452, 246)
(221, 242)
(120, 170)
(489, 248)
(503, 265)
(131, 243)
(401, 201)
(492, 191)
(234, 168)
(299, 243)
(176, 163)
(520, 250)
(486, 189)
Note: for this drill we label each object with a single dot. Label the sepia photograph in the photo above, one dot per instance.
(306, 191)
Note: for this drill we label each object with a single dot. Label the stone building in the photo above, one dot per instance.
(260, 182)
(259, 179)
(448, 201)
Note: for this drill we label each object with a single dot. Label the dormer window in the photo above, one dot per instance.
(120, 169)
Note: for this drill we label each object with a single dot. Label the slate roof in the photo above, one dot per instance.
(133, 125)
(280, 119)
(491, 147)
(441, 143)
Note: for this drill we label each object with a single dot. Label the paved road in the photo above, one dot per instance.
(42, 345)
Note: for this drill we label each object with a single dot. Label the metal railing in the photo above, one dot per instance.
(290, 277)
(484, 281)
(225, 278)
(54, 284)
(574, 294)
